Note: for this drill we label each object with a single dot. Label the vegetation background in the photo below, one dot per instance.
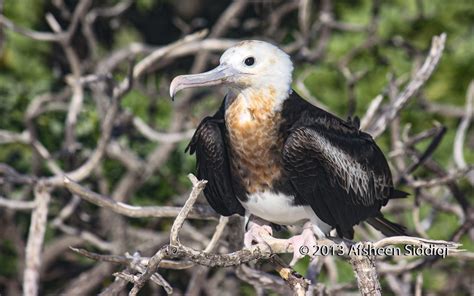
(364, 52)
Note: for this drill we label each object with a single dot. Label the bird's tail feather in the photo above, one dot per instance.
(387, 227)
(398, 194)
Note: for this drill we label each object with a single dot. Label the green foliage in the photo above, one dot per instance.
(8, 257)
(302, 265)
(145, 4)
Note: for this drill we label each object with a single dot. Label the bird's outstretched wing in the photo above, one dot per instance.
(212, 164)
(337, 169)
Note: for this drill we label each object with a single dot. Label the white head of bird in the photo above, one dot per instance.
(250, 69)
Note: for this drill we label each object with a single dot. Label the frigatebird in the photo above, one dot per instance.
(272, 156)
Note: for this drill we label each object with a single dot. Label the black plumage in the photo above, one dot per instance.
(212, 163)
(326, 163)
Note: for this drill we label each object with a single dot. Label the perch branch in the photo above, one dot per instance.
(198, 187)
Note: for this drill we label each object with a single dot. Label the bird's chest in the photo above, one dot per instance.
(255, 145)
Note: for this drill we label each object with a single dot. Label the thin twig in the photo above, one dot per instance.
(458, 152)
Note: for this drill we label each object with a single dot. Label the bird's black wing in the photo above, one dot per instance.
(209, 144)
(335, 168)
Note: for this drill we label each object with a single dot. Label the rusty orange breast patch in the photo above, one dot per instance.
(252, 126)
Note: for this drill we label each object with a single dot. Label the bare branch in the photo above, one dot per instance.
(134, 211)
(148, 61)
(125, 260)
(461, 133)
(154, 262)
(366, 275)
(198, 187)
(18, 205)
(371, 112)
(452, 176)
(155, 136)
(217, 234)
(422, 75)
(40, 36)
(35, 240)
(261, 279)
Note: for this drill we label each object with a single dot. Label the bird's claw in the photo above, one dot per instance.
(303, 244)
(256, 233)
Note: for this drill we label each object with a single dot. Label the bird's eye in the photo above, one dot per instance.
(249, 61)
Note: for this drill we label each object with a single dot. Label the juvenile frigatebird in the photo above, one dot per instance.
(271, 154)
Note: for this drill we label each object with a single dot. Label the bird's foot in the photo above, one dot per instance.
(303, 244)
(255, 233)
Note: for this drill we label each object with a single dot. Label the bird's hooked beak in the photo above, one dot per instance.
(220, 74)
